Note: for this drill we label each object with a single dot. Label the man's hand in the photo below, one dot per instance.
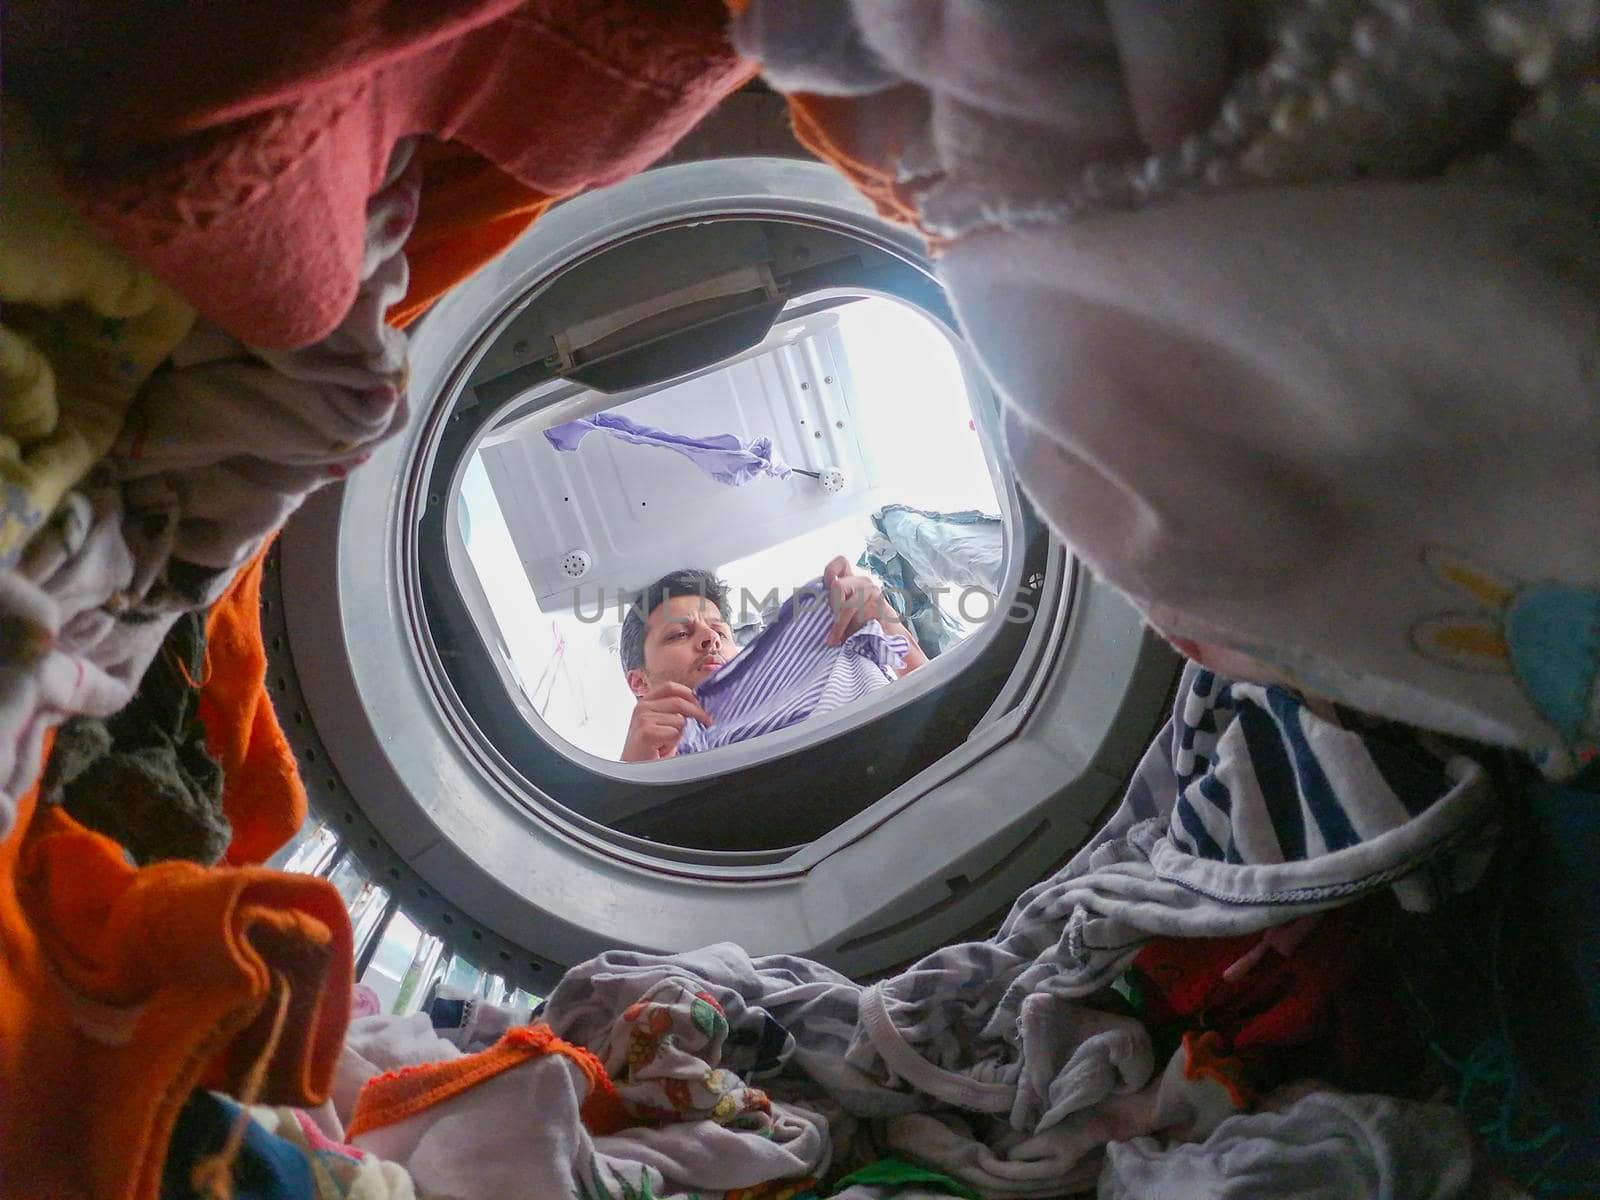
(658, 720)
(857, 599)
(854, 600)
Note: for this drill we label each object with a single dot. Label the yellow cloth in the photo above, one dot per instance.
(82, 329)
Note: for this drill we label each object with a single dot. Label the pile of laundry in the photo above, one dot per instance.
(205, 286)
(1287, 965)
(1290, 308)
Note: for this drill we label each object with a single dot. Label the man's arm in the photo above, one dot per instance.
(857, 599)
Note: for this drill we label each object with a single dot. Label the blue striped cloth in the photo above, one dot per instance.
(1295, 785)
(790, 673)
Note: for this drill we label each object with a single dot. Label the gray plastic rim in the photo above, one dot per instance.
(516, 889)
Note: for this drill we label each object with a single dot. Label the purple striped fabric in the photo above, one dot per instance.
(790, 673)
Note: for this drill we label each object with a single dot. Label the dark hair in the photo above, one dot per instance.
(687, 582)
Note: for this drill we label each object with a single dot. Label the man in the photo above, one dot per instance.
(677, 636)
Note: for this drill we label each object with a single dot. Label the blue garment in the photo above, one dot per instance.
(922, 554)
(962, 549)
(790, 673)
(267, 1167)
(936, 630)
(722, 456)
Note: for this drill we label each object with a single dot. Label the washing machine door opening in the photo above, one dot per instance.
(883, 827)
(830, 412)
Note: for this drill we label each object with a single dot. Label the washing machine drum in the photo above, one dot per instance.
(892, 826)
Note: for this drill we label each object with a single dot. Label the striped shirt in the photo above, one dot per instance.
(1262, 779)
(789, 673)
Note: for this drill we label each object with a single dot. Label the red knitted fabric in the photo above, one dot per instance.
(231, 147)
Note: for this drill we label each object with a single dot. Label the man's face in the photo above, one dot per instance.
(685, 641)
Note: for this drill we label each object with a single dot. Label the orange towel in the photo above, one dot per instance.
(123, 989)
(390, 1098)
(262, 794)
(470, 212)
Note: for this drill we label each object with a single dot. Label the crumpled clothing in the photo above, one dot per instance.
(665, 1054)
(400, 1044)
(949, 1030)
(378, 1044)
(523, 1121)
(1281, 1000)
(396, 1096)
(1322, 1146)
(338, 1171)
(84, 328)
(1393, 437)
(961, 108)
(123, 989)
(897, 1177)
(782, 1012)
(143, 776)
(244, 188)
(586, 1003)
(230, 441)
(215, 455)
(961, 116)
(798, 1016)
(1068, 1058)
(719, 1161)
(1134, 892)
(957, 1010)
(962, 549)
(999, 1159)
(62, 653)
(1208, 1055)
